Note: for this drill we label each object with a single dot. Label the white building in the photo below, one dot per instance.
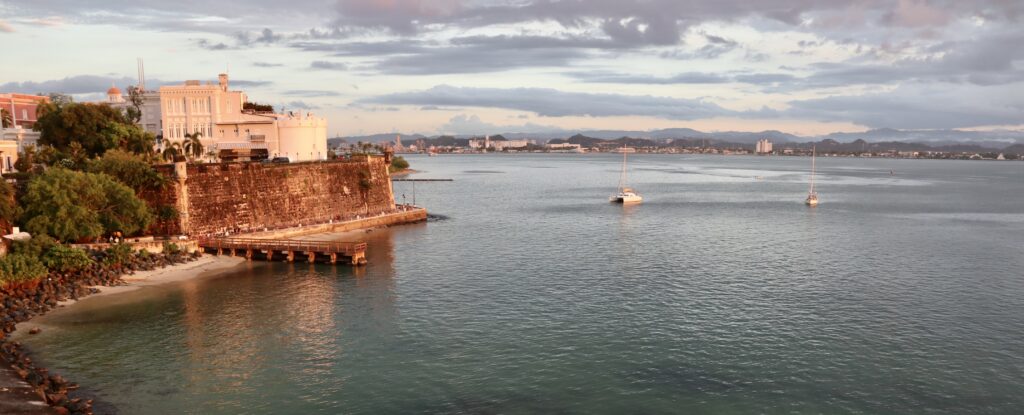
(150, 119)
(227, 129)
(564, 147)
(763, 146)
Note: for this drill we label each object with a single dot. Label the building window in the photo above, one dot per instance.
(24, 116)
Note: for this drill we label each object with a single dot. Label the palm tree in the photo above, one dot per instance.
(5, 118)
(193, 146)
(172, 150)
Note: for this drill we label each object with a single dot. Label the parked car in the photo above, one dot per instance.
(280, 160)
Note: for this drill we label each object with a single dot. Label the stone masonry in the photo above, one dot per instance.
(212, 199)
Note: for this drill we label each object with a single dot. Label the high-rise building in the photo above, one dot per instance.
(763, 146)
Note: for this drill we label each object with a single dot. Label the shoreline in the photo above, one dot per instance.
(28, 389)
(205, 267)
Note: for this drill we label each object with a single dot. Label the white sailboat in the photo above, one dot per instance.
(625, 195)
(812, 196)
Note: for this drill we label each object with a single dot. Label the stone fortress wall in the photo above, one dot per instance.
(214, 199)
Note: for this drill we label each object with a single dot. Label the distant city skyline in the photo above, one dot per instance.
(470, 66)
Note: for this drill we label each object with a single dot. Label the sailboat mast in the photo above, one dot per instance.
(814, 152)
(622, 176)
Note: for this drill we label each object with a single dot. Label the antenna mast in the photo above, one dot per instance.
(142, 75)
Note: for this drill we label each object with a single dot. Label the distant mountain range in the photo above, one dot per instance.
(884, 137)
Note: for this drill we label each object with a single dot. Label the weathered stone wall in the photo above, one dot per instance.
(246, 197)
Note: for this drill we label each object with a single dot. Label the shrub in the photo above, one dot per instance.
(20, 268)
(171, 248)
(119, 254)
(399, 163)
(34, 247)
(72, 206)
(66, 259)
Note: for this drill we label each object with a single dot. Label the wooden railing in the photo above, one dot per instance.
(326, 247)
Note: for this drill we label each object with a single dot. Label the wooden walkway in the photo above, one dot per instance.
(287, 249)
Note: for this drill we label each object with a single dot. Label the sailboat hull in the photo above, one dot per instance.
(626, 198)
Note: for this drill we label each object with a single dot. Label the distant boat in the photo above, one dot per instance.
(812, 196)
(626, 195)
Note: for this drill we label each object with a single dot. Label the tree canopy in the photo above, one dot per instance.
(96, 127)
(72, 206)
(130, 169)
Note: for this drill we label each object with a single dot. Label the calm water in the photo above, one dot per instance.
(720, 294)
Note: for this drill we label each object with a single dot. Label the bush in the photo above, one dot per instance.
(19, 268)
(119, 254)
(72, 206)
(171, 248)
(34, 247)
(399, 163)
(63, 258)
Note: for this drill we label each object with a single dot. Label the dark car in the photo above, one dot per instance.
(280, 160)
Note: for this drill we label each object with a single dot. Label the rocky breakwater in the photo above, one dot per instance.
(20, 302)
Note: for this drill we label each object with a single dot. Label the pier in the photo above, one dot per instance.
(287, 249)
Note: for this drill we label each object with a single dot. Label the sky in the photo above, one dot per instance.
(806, 67)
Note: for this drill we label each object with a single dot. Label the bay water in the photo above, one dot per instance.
(527, 292)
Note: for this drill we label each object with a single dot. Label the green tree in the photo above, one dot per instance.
(173, 150)
(20, 268)
(63, 258)
(9, 210)
(5, 118)
(398, 164)
(96, 127)
(130, 169)
(72, 206)
(193, 147)
(133, 112)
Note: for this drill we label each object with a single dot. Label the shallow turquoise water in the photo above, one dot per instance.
(721, 293)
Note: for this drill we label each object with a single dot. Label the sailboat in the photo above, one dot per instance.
(625, 195)
(812, 196)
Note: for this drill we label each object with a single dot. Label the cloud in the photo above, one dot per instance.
(209, 45)
(331, 66)
(6, 28)
(626, 78)
(297, 105)
(463, 124)
(267, 64)
(93, 84)
(309, 93)
(474, 60)
(555, 103)
(80, 84)
(919, 107)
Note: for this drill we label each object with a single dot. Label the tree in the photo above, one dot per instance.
(96, 127)
(257, 107)
(398, 164)
(193, 146)
(129, 169)
(26, 159)
(6, 120)
(8, 207)
(72, 206)
(173, 150)
(133, 112)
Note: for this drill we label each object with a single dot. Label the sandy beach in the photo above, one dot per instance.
(204, 267)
